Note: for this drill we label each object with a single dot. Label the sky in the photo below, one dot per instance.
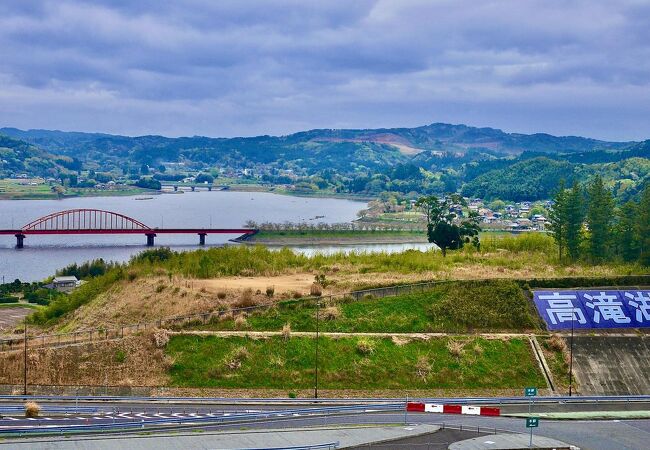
(248, 67)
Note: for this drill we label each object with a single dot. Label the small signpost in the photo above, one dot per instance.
(531, 422)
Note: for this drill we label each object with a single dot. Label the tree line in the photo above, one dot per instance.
(587, 224)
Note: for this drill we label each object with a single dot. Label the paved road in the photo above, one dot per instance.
(105, 412)
(596, 435)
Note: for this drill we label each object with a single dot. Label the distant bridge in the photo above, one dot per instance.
(97, 221)
(192, 186)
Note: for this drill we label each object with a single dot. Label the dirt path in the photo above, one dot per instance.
(406, 336)
(295, 282)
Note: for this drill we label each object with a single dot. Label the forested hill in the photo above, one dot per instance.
(437, 137)
(17, 157)
(436, 158)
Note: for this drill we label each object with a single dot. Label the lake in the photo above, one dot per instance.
(42, 255)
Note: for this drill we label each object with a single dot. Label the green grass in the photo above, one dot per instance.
(453, 307)
(556, 363)
(276, 363)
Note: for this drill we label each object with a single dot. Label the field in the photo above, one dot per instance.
(352, 363)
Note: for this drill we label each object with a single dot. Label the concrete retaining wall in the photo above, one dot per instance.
(612, 365)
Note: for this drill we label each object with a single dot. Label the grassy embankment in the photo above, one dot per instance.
(456, 307)
(374, 363)
(351, 363)
(522, 256)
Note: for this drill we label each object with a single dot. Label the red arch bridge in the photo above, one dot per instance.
(97, 221)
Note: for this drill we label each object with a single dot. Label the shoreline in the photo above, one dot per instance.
(333, 240)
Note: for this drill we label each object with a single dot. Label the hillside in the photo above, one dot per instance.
(18, 157)
(436, 158)
(437, 136)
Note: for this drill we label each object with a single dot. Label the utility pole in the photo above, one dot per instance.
(317, 335)
(25, 360)
(573, 315)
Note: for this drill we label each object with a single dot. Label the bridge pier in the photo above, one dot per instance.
(150, 239)
(202, 238)
(19, 240)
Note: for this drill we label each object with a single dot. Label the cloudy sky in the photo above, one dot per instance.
(238, 67)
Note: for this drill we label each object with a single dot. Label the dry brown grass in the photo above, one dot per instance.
(235, 358)
(330, 313)
(94, 364)
(246, 299)
(241, 322)
(423, 367)
(160, 338)
(399, 340)
(286, 331)
(557, 343)
(316, 290)
(128, 303)
(32, 409)
(455, 348)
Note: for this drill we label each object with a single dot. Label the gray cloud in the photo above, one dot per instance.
(256, 67)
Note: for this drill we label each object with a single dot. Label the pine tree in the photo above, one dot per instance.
(558, 218)
(627, 244)
(574, 221)
(599, 217)
(643, 226)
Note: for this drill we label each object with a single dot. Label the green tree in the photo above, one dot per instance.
(643, 226)
(558, 218)
(444, 228)
(627, 243)
(575, 218)
(599, 218)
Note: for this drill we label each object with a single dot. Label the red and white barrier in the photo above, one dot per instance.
(452, 409)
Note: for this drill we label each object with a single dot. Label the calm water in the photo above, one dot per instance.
(42, 255)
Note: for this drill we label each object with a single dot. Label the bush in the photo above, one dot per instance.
(286, 331)
(557, 343)
(120, 356)
(270, 290)
(235, 358)
(331, 313)
(455, 348)
(8, 299)
(246, 299)
(316, 290)
(365, 346)
(423, 367)
(160, 338)
(32, 409)
(241, 322)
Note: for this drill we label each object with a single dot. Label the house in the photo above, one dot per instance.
(64, 284)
